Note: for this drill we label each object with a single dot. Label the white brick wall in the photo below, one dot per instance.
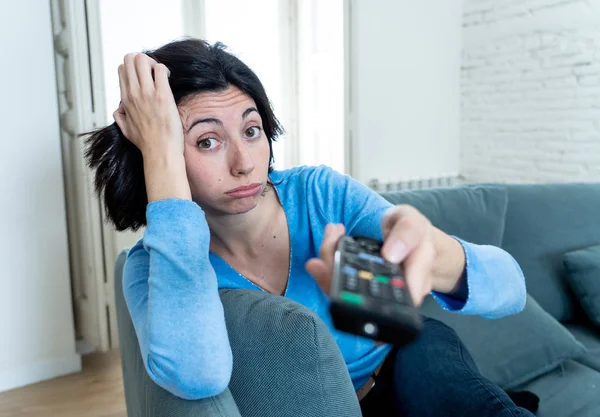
(531, 91)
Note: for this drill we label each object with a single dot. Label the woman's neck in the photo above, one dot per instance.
(244, 234)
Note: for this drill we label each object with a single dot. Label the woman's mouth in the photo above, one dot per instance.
(245, 191)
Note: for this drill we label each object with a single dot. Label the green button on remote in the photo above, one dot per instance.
(351, 298)
(382, 279)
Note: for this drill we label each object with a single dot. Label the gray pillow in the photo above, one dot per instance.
(474, 213)
(515, 349)
(583, 275)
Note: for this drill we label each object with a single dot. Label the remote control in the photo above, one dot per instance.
(369, 295)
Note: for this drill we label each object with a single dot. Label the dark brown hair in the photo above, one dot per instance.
(195, 67)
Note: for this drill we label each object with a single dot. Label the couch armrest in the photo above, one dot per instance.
(285, 360)
(285, 363)
(144, 398)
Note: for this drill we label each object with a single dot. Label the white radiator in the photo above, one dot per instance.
(444, 181)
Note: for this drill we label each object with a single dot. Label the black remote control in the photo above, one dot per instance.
(369, 295)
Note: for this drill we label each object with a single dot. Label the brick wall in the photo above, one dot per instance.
(531, 91)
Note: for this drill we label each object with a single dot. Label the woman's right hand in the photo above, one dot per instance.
(148, 115)
(149, 118)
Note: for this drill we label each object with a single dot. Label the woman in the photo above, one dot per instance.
(190, 157)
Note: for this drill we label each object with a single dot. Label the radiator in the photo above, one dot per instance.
(444, 181)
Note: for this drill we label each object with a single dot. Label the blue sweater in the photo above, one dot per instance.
(171, 280)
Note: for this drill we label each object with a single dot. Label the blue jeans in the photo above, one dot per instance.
(436, 376)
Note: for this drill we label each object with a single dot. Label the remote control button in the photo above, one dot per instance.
(373, 248)
(348, 270)
(370, 329)
(352, 283)
(365, 275)
(375, 288)
(371, 258)
(382, 279)
(352, 259)
(393, 269)
(398, 283)
(351, 298)
(398, 294)
(381, 270)
(370, 245)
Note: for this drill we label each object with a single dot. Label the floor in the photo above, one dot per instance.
(95, 392)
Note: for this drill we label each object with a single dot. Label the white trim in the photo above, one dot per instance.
(108, 322)
(288, 24)
(348, 89)
(39, 371)
(88, 120)
(193, 18)
(79, 114)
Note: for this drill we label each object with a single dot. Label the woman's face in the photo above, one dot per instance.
(226, 151)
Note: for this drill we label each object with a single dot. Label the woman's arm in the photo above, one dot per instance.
(169, 283)
(171, 292)
(463, 277)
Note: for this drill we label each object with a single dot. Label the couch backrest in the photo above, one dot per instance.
(543, 221)
(535, 223)
(472, 212)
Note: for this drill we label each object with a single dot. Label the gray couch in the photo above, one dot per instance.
(284, 353)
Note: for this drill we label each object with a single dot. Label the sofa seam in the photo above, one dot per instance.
(504, 214)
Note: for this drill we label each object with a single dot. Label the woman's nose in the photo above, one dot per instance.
(242, 161)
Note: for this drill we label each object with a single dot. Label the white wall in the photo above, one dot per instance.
(36, 328)
(531, 91)
(404, 88)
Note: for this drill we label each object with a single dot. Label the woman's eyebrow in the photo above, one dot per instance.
(248, 111)
(214, 120)
(205, 120)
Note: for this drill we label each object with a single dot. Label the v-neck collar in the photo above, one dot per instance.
(214, 257)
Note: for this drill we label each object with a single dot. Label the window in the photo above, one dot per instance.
(321, 83)
(257, 35)
(295, 48)
(132, 26)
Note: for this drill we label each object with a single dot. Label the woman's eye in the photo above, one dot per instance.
(207, 143)
(252, 132)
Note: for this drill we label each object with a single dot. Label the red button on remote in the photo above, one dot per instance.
(398, 283)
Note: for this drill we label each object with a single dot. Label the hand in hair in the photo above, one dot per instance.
(148, 115)
(149, 118)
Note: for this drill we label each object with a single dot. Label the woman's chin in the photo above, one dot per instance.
(242, 205)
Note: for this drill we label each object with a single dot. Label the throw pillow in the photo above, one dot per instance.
(474, 213)
(515, 349)
(583, 276)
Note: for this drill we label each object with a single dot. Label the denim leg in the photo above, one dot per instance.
(436, 376)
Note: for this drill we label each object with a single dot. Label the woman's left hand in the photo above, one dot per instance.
(431, 259)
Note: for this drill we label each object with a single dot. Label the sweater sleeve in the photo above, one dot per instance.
(172, 295)
(494, 284)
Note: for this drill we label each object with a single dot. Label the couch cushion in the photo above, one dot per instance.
(543, 221)
(572, 390)
(583, 275)
(590, 338)
(471, 212)
(513, 349)
(284, 352)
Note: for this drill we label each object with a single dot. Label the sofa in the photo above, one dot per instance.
(284, 353)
